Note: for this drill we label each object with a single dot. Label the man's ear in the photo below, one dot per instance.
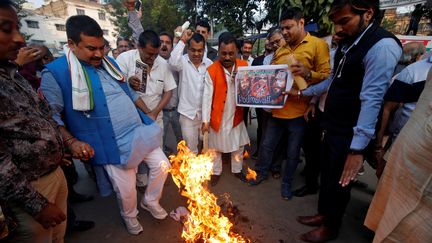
(369, 14)
(301, 22)
(71, 44)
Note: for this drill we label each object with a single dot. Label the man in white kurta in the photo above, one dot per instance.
(192, 69)
(229, 136)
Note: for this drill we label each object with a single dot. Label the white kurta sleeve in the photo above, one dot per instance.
(207, 98)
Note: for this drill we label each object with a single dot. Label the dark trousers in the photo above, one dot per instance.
(333, 198)
(279, 154)
(276, 127)
(311, 148)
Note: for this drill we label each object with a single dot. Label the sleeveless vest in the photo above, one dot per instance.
(220, 89)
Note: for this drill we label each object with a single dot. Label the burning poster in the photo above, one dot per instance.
(262, 86)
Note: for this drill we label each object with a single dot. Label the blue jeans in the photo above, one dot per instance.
(294, 130)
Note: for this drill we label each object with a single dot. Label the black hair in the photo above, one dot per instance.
(197, 37)
(7, 4)
(78, 24)
(167, 34)
(248, 42)
(106, 42)
(227, 38)
(294, 13)
(149, 37)
(358, 7)
(122, 38)
(204, 24)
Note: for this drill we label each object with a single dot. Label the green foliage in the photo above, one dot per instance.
(389, 25)
(161, 15)
(158, 15)
(119, 17)
(314, 11)
(165, 15)
(234, 15)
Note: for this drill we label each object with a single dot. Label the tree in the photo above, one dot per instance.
(234, 15)
(119, 17)
(314, 11)
(158, 15)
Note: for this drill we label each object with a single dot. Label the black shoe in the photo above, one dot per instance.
(214, 180)
(276, 174)
(305, 190)
(83, 225)
(240, 176)
(75, 197)
(257, 181)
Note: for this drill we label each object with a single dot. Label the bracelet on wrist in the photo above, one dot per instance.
(299, 94)
(70, 141)
(356, 152)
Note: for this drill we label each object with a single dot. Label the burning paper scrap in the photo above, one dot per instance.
(179, 214)
(205, 222)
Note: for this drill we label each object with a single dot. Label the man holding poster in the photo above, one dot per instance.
(309, 62)
(221, 118)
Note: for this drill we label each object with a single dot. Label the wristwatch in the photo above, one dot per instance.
(356, 152)
(308, 76)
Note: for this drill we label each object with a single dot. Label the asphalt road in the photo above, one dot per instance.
(263, 215)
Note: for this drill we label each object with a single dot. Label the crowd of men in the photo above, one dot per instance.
(360, 97)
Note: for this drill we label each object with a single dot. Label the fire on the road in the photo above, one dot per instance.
(206, 222)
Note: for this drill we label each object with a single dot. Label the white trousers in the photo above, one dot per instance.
(124, 181)
(236, 162)
(191, 131)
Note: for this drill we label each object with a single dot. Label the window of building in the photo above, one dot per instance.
(32, 24)
(101, 15)
(80, 11)
(40, 42)
(60, 27)
(106, 32)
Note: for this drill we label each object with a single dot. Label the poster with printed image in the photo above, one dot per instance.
(262, 86)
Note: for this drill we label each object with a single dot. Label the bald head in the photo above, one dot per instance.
(412, 52)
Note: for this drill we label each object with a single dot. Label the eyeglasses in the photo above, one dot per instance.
(275, 42)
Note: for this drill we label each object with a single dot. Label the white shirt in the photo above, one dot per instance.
(228, 138)
(159, 79)
(249, 60)
(191, 81)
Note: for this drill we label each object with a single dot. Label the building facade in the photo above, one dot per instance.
(46, 25)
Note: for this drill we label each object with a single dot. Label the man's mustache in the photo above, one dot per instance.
(164, 48)
(96, 58)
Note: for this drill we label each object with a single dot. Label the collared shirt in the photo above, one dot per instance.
(406, 89)
(123, 113)
(159, 79)
(315, 56)
(249, 60)
(268, 58)
(379, 64)
(30, 143)
(191, 81)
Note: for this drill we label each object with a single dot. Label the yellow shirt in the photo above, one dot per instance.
(315, 55)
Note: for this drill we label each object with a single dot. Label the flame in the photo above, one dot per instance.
(251, 174)
(205, 222)
(245, 154)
